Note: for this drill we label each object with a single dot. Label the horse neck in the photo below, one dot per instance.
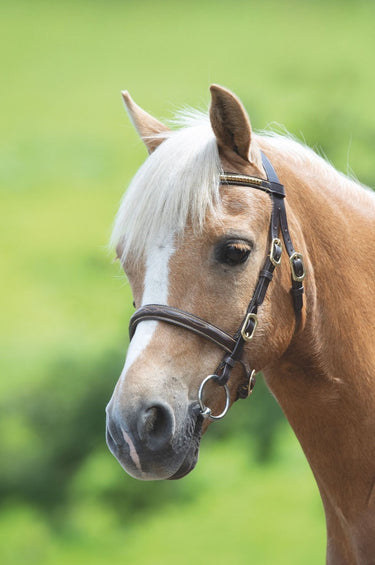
(336, 219)
(325, 382)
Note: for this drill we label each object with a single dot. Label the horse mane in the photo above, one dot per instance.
(180, 181)
(344, 188)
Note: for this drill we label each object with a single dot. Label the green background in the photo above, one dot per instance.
(67, 153)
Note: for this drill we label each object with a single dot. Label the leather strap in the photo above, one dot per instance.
(278, 223)
(297, 265)
(184, 320)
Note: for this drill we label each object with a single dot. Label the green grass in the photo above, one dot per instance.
(236, 512)
(249, 516)
(67, 153)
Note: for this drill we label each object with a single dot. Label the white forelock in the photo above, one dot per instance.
(179, 181)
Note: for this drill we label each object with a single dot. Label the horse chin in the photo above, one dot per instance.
(189, 462)
(185, 469)
(192, 451)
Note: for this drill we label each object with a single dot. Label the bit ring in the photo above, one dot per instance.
(205, 410)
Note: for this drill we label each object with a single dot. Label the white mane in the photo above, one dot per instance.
(317, 169)
(178, 181)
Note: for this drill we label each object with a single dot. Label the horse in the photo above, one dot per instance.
(248, 252)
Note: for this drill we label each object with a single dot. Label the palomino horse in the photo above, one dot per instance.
(202, 230)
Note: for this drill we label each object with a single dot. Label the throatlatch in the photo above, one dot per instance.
(234, 345)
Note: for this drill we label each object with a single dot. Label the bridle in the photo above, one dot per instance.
(234, 345)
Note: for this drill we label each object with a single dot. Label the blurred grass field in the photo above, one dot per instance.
(241, 514)
(67, 153)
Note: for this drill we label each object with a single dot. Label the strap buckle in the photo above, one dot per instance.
(298, 271)
(246, 334)
(276, 251)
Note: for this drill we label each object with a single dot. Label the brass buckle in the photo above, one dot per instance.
(299, 256)
(246, 336)
(275, 241)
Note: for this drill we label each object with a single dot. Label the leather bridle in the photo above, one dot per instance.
(234, 345)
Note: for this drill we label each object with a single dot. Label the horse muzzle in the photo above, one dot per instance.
(151, 442)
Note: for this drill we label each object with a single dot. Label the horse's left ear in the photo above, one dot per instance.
(148, 127)
(230, 122)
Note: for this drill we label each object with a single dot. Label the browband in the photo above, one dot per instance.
(274, 188)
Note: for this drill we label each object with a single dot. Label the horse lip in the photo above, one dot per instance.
(191, 458)
(112, 442)
(185, 469)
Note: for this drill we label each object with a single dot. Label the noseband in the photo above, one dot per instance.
(234, 345)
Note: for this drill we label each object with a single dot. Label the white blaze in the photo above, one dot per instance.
(155, 291)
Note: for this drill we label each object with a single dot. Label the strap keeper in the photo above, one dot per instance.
(297, 295)
(297, 291)
(228, 360)
(277, 189)
(266, 274)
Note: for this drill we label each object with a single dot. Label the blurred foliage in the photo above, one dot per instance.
(55, 425)
(254, 420)
(67, 152)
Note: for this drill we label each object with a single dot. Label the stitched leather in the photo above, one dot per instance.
(184, 320)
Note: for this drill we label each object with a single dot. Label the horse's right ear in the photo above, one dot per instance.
(149, 128)
(231, 125)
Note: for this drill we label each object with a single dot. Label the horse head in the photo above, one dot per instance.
(195, 244)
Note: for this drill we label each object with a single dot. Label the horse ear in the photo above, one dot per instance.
(230, 122)
(149, 128)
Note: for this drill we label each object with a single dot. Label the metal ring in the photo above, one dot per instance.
(205, 410)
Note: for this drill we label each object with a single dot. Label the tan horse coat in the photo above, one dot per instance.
(323, 376)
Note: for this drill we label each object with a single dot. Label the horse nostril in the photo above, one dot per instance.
(156, 425)
(154, 420)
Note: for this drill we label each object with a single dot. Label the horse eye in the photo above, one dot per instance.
(234, 253)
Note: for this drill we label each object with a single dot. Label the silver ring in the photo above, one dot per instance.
(205, 410)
